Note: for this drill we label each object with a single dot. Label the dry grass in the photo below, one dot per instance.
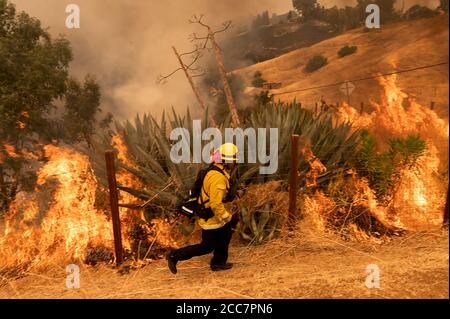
(401, 45)
(305, 265)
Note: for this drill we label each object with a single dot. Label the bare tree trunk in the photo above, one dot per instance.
(223, 75)
(194, 88)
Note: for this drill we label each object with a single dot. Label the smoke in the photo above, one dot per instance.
(126, 44)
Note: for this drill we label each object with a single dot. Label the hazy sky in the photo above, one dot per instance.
(126, 44)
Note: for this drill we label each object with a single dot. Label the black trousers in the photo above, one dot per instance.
(213, 240)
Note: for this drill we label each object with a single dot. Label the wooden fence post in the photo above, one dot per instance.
(293, 179)
(362, 108)
(432, 105)
(114, 201)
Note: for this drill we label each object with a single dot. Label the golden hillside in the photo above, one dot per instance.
(399, 46)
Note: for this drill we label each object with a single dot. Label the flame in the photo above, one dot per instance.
(419, 197)
(128, 216)
(159, 229)
(10, 150)
(59, 220)
(316, 166)
(123, 155)
(316, 208)
(21, 124)
(391, 118)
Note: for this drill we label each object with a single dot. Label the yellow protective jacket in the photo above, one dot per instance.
(215, 188)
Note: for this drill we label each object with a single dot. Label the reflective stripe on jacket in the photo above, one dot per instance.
(215, 188)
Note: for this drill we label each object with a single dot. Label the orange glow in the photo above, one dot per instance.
(58, 220)
(419, 196)
(10, 150)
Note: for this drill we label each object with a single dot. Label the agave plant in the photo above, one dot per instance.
(333, 143)
(259, 226)
(165, 182)
(149, 144)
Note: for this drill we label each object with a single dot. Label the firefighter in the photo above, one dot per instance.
(218, 229)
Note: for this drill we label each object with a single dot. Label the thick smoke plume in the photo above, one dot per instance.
(126, 44)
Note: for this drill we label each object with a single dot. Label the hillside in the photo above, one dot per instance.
(402, 45)
(266, 42)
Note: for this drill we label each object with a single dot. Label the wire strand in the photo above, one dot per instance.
(363, 79)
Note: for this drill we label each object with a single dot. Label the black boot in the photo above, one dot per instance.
(225, 266)
(171, 261)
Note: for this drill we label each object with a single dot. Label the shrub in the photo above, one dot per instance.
(258, 80)
(418, 12)
(347, 50)
(315, 63)
(382, 169)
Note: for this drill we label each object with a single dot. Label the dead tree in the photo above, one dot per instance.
(186, 68)
(218, 54)
(191, 82)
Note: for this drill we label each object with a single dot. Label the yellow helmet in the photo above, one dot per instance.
(228, 152)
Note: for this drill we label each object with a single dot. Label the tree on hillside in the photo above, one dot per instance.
(265, 20)
(256, 22)
(261, 19)
(387, 10)
(289, 16)
(306, 8)
(419, 12)
(360, 10)
(332, 17)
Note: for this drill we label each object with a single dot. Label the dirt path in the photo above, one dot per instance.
(412, 266)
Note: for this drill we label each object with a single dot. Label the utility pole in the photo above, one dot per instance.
(194, 88)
